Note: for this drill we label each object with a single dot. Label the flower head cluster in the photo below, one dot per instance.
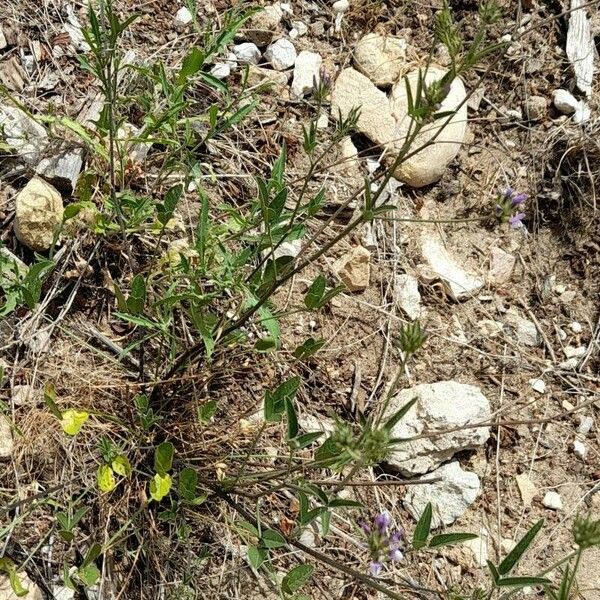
(382, 542)
(508, 207)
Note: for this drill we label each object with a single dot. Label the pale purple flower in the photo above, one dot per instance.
(383, 542)
(375, 568)
(396, 555)
(515, 220)
(382, 521)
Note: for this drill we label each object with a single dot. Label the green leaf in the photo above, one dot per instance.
(343, 503)
(308, 348)
(296, 578)
(522, 581)
(272, 539)
(9, 567)
(493, 571)
(188, 481)
(207, 411)
(265, 344)
(445, 539)
(191, 64)
(71, 211)
(163, 458)
(167, 208)
(160, 486)
(393, 420)
(137, 297)
(315, 292)
(89, 575)
(106, 479)
(121, 465)
(72, 421)
(306, 439)
(94, 551)
(275, 400)
(50, 399)
(423, 528)
(256, 556)
(517, 552)
(292, 419)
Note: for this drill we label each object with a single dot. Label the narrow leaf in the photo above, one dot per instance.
(517, 552)
(423, 527)
(445, 539)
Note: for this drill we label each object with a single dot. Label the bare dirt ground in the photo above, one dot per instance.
(555, 284)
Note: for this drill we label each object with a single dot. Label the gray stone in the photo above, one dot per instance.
(501, 265)
(263, 25)
(381, 58)
(221, 70)
(535, 108)
(428, 165)
(353, 90)
(441, 406)
(525, 330)
(306, 74)
(259, 76)
(23, 134)
(354, 269)
(459, 283)
(281, 54)
(407, 295)
(450, 497)
(38, 211)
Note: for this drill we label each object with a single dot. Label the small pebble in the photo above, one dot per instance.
(579, 449)
(575, 352)
(576, 327)
(553, 501)
(183, 17)
(341, 6)
(538, 385)
(567, 405)
(585, 425)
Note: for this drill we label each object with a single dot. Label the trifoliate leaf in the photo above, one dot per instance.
(160, 485)
(72, 421)
(121, 465)
(106, 479)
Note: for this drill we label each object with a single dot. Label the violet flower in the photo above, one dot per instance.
(382, 542)
(507, 207)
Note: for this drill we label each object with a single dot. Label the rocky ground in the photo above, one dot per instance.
(512, 313)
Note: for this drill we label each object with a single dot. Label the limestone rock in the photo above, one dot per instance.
(221, 70)
(524, 330)
(247, 53)
(26, 136)
(263, 25)
(450, 497)
(281, 54)
(440, 406)
(354, 269)
(501, 265)
(6, 439)
(62, 168)
(306, 73)
(428, 165)
(353, 90)
(380, 58)
(183, 17)
(553, 501)
(258, 76)
(38, 211)
(459, 283)
(407, 295)
(565, 102)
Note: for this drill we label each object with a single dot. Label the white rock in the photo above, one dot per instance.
(565, 102)
(24, 395)
(353, 90)
(428, 165)
(450, 497)
(9, 274)
(6, 439)
(299, 28)
(440, 406)
(307, 537)
(263, 25)
(247, 53)
(62, 168)
(380, 58)
(585, 425)
(323, 121)
(340, 6)
(460, 283)
(570, 364)
(575, 352)
(24, 135)
(61, 592)
(6, 592)
(288, 249)
(354, 269)
(579, 449)
(525, 330)
(406, 292)
(3, 42)
(306, 74)
(576, 327)
(221, 70)
(501, 265)
(552, 500)
(281, 54)
(38, 211)
(538, 385)
(136, 151)
(582, 113)
(183, 17)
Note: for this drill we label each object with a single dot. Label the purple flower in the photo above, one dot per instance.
(375, 568)
(396, 555)
(365, 527)
(398, 535)
(508, 192)
(519, 199)
(515, 220)
(382, 521)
